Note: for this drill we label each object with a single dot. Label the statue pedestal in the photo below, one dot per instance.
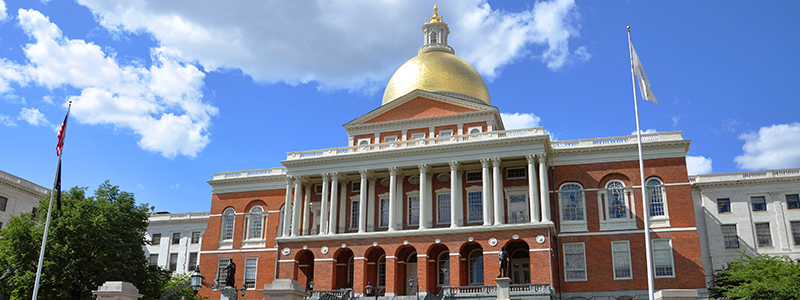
(283, 289)
(228, 293)
(117, 290)
(503, 292)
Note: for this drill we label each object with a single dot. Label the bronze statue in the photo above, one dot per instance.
(504, 261)
(230, 271)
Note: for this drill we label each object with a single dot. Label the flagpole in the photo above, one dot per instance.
(44, 237)
(645, 207)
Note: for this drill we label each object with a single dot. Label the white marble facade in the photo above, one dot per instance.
(18, 196)
(175, 240)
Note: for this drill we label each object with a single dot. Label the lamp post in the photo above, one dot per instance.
(368, 288)
(416, 287)
(196, 283)
(309, 287)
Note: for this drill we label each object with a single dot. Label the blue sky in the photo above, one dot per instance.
(166, 93)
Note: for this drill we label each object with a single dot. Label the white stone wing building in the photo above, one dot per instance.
(18, 196)
(175, 240)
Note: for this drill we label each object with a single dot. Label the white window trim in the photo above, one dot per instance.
(479, 128)
(627, 222)
(467, 177)
(475, 188)
(381, 197)
(354, 208)
(671, 257)
(442, 191)
(517, 191)
(438, 269)
(585, 271)
(250, 242)
(410, 194)
(223, 242)
(570, 225)
(525, 173)
(364, 141)
(354, 184)
(659, 221)
(255, 280)
(614, 261)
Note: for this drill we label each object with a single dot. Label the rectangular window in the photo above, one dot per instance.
(156, 239)
(759, 203)
(792, 201)
(192, 261)
(153, 259)
(176, 238)
(447, 132)
(795, 225)
(662, 258)
(173, 261)
(730, 236)
(763, 235)
(355, 187)
(354, 212)
(417, 137)
(474, 206)
(390, 139)
(474, 176)
(516, 173)
(3, 202)
(250, 271)
(384, 213)
(196, 237)
(317, 189)
(221, 274)
(621, 251)
(723, 205)
(574, 262)
(443, 208)
(413, 210)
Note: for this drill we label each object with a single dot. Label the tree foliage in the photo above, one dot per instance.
(759, 277)
(91, 240)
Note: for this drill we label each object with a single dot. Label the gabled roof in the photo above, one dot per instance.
(420, 104)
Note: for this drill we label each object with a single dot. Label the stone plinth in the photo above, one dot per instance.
(283, 289)
(117, 290)
(503, 292)
(676, 294)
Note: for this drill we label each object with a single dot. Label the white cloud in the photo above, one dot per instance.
(3, 14)
(697, 165)
(161, 103)
(342, 43)
(646, 131)
(32, 116)
(518, 120)
(7, 121)
(772, 147)
(175, 186)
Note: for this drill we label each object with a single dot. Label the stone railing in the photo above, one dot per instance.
(491, 135)
(250, 173)
(182, 216)
(631, 139)
(767, 174)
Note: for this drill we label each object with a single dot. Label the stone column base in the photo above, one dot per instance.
(283, 289)
(676, 294)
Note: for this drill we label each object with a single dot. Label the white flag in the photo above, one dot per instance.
(638, 70)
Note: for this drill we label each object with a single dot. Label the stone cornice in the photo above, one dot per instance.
(23, 185)
(745, 178)
(468, 117)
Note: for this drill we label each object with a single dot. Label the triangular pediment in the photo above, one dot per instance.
(418, 105)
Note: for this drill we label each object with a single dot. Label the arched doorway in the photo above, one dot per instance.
(343, 278)
(406, 269)
(305, 265)
(376, 268)
(471, 268)
(520, 264)
(439, 268)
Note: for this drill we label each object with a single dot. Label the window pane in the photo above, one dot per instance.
(196, 237)
(474, 176)
(354, 214)
(796, 232)
(476, 267)
(153, 259)
(443, 208)
(763, 235)
(221, 274)
(792, 201)
(227, 224)
(256, 223)
(759, 203)
(413, 210)
(474, 206)
(384, 213)
(444, 268)
(3, 203)
(173, 261)
(250, 271)
(176, 238)
(156, 239)
(574, 261)
(723, 205)
(572, 202)
(655, 194)
(382, 271)
(730, 236)
(192, 261)
(662, 258)
(516, 173)
(622, 259)
(616, 201)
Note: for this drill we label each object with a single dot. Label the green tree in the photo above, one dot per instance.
(91, 240)
(175, 281)
(759, 277)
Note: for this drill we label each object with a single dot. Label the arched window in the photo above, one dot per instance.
(382, 271)
(476, 267)
(255, 224)
(443, 268)
(656, 197)
(433, 38)
(228, 219)
(572, 202)
(617, 206)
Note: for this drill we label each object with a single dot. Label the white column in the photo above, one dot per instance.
(307, 210)
(392, 196)
(332, 224)
(486, 194)
(362, 202)
(286, 217)
(455, 187)
(343, 204)
(499, 205)
(323, 216)
(371, 205)
(423, 196)
(533, 189)
(298, 205)
(399, 217)
(543, 188)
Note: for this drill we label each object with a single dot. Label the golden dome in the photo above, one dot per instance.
(436, 71)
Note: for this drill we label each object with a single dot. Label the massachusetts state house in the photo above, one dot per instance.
(431, 186)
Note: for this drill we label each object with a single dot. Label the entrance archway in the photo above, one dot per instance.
(343, 277)
(305, 264)
(520, 265)
(406, 268)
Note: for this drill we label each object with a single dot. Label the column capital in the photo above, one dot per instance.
(364, 173)
(542, 157)
(289, 179)
(325, 177)
(496, 162)
(531, 158)
(424, 168)
(485, 162)
(394, 171)
(334, 176)
(454, 165)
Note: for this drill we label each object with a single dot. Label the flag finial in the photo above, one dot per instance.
(629, 28)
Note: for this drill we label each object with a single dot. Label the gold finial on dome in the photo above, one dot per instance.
(436, 17)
